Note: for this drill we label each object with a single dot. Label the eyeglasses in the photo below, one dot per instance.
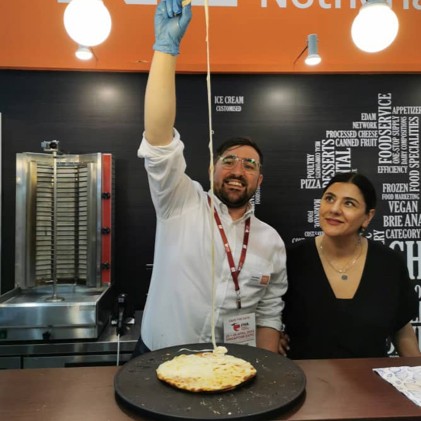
(249, 164)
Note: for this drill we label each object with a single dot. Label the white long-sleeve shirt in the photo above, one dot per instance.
(178, 308)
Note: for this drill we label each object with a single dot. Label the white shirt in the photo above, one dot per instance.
(178, 308)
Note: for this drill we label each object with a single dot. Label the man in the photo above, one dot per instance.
(250, 274)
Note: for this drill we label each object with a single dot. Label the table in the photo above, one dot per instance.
(344, 389)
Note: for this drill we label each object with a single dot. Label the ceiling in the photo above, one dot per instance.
(245, 36)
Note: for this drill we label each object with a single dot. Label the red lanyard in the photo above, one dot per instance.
(235, 271)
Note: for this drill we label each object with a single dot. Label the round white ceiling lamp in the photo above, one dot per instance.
(375, 27)
(88, 22)
(84, 53)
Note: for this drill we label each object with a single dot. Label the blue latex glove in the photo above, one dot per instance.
(171, 22)
(174, 7)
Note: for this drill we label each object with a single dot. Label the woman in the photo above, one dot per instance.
(347, 296)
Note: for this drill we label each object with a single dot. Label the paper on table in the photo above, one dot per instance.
(406, 379)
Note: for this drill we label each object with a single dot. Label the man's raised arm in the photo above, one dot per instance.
(171, 21)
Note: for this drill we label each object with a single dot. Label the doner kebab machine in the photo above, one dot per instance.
(64, 212)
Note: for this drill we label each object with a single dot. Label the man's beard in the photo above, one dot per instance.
(241, 201)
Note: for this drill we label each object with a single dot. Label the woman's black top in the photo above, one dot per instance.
(323, 326)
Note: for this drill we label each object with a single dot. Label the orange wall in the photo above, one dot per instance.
(256, 36)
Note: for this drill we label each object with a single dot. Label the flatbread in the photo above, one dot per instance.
(206, 371)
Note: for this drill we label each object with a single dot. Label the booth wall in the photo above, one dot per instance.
(308, 126)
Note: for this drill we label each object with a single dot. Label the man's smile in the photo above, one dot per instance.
(234, 183)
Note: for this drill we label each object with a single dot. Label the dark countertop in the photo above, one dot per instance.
(336, 390)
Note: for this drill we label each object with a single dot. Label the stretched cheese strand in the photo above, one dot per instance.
(211, 168)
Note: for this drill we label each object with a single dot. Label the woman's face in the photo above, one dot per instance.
(343, 210)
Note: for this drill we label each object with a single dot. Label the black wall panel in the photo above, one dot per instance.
(287, 114)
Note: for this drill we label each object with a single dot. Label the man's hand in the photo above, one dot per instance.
(283, 345)
(171, 22)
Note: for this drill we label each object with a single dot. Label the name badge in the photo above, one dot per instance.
(240, 329)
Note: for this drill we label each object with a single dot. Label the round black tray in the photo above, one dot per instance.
(279, 383)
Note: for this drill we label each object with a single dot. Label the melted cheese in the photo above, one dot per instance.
(206, 371)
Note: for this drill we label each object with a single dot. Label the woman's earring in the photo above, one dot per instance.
(362, 231)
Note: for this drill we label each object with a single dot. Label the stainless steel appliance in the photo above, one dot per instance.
(63, 247)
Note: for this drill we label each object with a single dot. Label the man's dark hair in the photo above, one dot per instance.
(238, 141)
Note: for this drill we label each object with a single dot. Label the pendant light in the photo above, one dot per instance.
(88, 22)
(375, 27)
